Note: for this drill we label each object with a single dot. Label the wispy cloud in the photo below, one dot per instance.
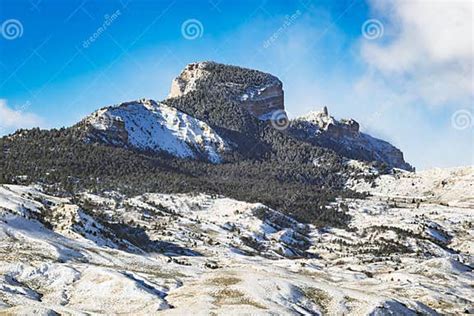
(428, 52)
(12, 119)
(418, 76)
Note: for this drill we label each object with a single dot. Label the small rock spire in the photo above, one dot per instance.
(325, 111)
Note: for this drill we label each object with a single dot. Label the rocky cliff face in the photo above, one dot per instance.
(187, 80)
(262, 101)
(345, 138)
(259, 93)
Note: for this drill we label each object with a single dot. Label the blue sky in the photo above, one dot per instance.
(409, 82)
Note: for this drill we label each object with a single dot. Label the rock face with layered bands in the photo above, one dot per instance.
(263, 101)
(260, 93)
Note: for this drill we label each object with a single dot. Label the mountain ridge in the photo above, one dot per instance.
(263, 95)
(344, 137)
(236, 104)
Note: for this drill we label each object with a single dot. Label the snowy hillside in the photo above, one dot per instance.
(148, 125)
(453, 186)
(200, 254)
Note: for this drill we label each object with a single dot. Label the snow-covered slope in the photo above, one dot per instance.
(452, 186)
(147, 125)
(201, 254)
(345, 138)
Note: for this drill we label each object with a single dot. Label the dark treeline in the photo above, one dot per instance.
(65, 163)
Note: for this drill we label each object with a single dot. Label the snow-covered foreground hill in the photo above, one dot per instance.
(201, 254)
(452, 186)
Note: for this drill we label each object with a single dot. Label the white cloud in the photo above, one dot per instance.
(11, 119)
(425, 135)
(418, 74)
(428, 49)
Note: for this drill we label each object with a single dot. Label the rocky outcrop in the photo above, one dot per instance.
(187, 80)
(344, 137)
(261, 102)
(258, 92)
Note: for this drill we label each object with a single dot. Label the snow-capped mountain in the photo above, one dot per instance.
(152, 126)
(345, 138)
(214, 108)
